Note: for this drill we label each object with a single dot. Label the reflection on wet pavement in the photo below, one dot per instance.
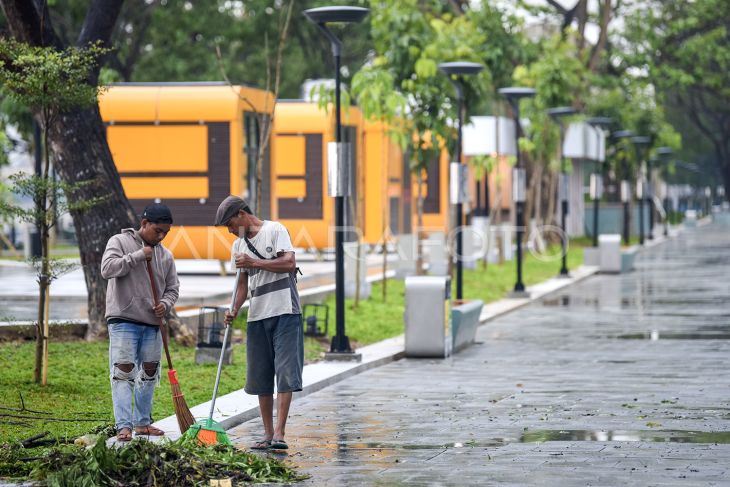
(640, 435)
(556, 393)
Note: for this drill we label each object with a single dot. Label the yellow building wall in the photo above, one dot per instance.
(436, 221)
(183, 147)
(293, 121)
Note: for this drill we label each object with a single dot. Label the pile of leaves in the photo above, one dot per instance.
(143, 463)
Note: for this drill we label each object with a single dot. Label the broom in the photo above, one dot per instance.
(182, 411)
(207, 431)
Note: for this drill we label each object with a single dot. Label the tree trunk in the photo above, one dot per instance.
(419, 226)
(384, 227)
(531, 169)
(46, 333)
(181, 332)
(39, 334)
(81, 153)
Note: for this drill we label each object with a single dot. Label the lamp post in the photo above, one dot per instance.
(641, 142)
(519, 177)
(338, 173)
(625, 185)
(664, 153)
(557, 114)
(596, 186)
(455, 72)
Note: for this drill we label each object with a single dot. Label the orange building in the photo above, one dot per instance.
(188, 145)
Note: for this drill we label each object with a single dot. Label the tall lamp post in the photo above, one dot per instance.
(519, 177)
(625, 185)
(596, 186)
(557, 114)
(338, 166)
(641, 142)
(459, 176)
(664, 153)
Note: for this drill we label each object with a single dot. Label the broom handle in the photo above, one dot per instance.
(163, 330)
(223, 348)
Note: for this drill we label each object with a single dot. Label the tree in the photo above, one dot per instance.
(560, 79)
(411, 38)
(77, 141)
(686, 48)
(49, 82)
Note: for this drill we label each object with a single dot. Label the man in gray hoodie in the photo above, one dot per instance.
(134, 335)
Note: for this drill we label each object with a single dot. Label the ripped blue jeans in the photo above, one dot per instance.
(134, 368)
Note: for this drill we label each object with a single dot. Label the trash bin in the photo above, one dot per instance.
(428, 316)
(210, 336)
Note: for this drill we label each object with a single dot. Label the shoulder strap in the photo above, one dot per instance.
(257, 254)
(253, 249)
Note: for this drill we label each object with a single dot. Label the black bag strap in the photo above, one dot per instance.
(257, 254)
(253, 249)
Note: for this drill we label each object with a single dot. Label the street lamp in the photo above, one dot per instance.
(641, 142)
(664, 153)
(339, 184)
(557, 114)
(625, 185)
(455, 72)
(519, 177)
(596, 186)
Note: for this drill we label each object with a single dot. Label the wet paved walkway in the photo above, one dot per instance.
(619, 380)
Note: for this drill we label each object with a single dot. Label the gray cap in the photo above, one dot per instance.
(228, 209)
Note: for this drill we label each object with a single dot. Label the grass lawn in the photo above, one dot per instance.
(78, 385)
(79, 376)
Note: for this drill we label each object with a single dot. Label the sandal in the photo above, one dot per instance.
(149, 430)
(124, 434)
(279, 445)
(261, 445)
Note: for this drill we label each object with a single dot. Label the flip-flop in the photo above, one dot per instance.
(124, 437)
(279, 445)
(149, 430)
(261, 445)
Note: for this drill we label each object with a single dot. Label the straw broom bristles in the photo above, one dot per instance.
(182, 411)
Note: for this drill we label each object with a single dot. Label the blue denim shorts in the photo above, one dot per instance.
(275, 348)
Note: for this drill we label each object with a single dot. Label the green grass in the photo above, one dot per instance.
(79, 376)
(375, 320)
(78, 384)
(496, 281)
(588, 241)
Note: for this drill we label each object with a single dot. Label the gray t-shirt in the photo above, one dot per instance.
(272, 293)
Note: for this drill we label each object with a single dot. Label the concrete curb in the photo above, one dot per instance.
(238, 407)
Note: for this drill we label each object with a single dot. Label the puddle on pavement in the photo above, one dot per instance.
(659, 436)
(668, 335)
(541, 436)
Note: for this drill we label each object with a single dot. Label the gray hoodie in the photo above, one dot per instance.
(128, 292)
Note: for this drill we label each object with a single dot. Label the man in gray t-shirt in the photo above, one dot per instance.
(274, 336)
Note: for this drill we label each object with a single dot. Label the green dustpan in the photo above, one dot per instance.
(208, 432)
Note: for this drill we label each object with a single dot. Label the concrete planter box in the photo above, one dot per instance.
(610, 253)
(591, 256)
(627, 259)
(464, 322)
(613, 258)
